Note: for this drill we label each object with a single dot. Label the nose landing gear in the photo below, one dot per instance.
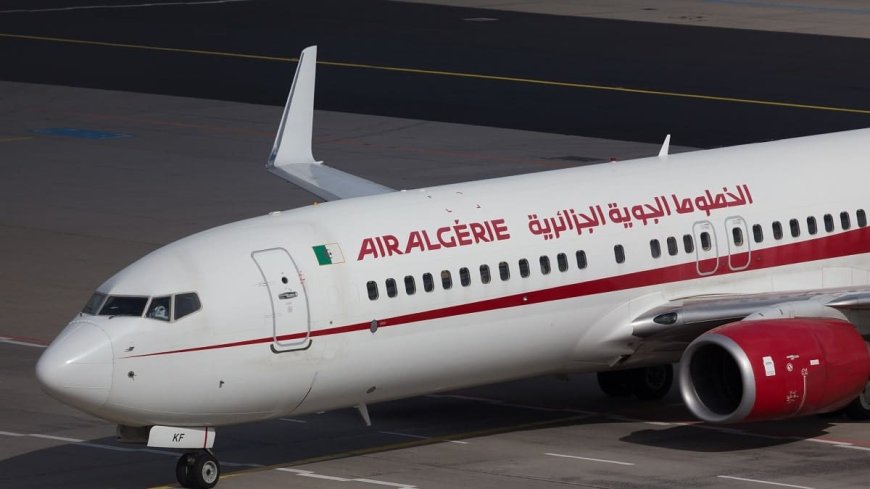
(199, 469)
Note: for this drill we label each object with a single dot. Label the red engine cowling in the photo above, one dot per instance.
(773, 369)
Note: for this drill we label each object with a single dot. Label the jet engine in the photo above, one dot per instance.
(773, 369)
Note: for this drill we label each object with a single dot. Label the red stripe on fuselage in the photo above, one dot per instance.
(834, 246)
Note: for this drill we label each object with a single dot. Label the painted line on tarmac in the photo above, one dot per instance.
(455, 74)
(421, 437)
(31, 342)
(588, 459)
(780, 484)
(853, 447)
(116, 6)
(84, 443)
(858, 445)
(315, 475)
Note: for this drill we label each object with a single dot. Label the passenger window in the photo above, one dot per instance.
(672, 246)
(504, 271)
(372, 288)
(705, 241)
(829, 223)
(524, 268)
(757, 233)
(811, 225)
(94, 303)
(189, 303)
(619, 253)
(777, 230)
(545, 264)
(428, 282)
(446, 279)
(655, 248)
(737, 236)
(484, 274)
(392, 290)
(464, 277)
(581, 259)
(562, 261)
(160, 308)
(410, 285)
(862, 218)
(124, 306)
(795, 227)
(688, 243)
(845, 222)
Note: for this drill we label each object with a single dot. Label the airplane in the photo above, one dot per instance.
(748, 265)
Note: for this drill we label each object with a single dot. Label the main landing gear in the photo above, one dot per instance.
(860, 408)
(199, 469)
(648, 383)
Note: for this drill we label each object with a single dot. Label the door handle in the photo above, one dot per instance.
(287, 295)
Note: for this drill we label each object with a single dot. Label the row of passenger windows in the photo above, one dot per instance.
(757, 234)
(485, 275)
(812, 226)
(672, 245)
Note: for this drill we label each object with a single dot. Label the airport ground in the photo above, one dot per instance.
(163, 143)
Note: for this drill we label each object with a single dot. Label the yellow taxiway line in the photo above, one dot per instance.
(455, 74)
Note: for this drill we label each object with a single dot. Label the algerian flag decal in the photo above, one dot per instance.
(328, 254)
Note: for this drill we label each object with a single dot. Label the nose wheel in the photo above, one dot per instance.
(199, 469)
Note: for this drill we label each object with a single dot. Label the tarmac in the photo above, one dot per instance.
(92, 179)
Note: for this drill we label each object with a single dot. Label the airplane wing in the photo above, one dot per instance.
(291, 157)
(666, 330)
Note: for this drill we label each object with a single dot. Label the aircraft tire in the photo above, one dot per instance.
(206, 471)
(616, 383)
(859, 409)
(652, 383)
(183, 471)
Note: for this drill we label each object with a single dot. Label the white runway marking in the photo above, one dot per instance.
(763, 482)
(314, 475)
(498, 402)
(602, 460)
(853, 447)
(58, 438)
(420, 437)
(19, 341)
(83, 443)
(137, 5)
(829, 442)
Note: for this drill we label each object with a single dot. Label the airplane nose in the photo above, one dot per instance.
(77, 367)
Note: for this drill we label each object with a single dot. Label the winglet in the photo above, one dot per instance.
(293, 142)
(663, 153)
(291, 157)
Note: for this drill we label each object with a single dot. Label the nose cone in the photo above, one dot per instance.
(77, 367)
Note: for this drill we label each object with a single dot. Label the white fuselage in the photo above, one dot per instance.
(281, 330)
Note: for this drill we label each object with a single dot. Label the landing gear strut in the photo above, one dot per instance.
(198, 469)
(649, 383)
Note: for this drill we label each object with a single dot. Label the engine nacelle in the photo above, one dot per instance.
(773, 369)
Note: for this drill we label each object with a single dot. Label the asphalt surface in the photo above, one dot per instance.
(129, 172)
(92, 180)
(589, 60)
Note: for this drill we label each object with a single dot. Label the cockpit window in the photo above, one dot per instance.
(160, 308)
(186, 304)
(94, 303)
(123, 306)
